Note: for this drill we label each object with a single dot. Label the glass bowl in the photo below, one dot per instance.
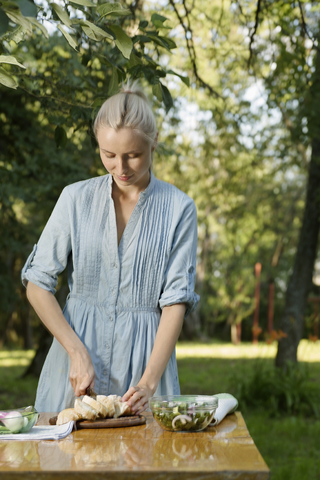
(18, 420)
(183, 413)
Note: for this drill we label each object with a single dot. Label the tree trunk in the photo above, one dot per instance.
(191, 328)
(300, 282)
(36, 365)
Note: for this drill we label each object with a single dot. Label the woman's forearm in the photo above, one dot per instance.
(167, 335)
(48, 310)
(81, 373)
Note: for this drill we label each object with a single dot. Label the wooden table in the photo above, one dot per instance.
(143, 452)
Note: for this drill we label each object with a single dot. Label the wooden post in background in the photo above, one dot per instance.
(316, 319)
(271, 307)
(255, 329)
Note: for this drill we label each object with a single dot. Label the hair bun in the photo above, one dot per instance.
(128, 111)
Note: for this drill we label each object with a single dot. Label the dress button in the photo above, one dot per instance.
(111, 319)
(107, 346)
(105, 372)
(112, 291)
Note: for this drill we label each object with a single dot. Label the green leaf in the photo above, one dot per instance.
(143, 24)
(158, 20)
(68, 37)
(123, 42)
(165, 42)
(115, 9)
(94, 32)
(141, 39)
(156, 89)
(114, 83)
(17, 35)
(27, 8)
(62, 14)
(7, 4)
(6, 79)
(134, 60)
(39, 25)
(10, 60)
(4, 22)
(98, 102)
(20, 20)
(91, 34)
(185, 80)
(60, 137)
(84, 3)
(168, 42)
(107, 61)
(136, 71)
(166, 97)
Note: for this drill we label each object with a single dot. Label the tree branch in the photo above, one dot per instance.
(190, 47)
(254, 31)
(304, 26)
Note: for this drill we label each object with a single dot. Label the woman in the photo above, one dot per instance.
(129, 243)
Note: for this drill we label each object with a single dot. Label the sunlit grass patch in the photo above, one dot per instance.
(307, 352)
(16, 358)
(16, 391)
(226, 350)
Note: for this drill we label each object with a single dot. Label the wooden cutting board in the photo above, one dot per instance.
(131, 421)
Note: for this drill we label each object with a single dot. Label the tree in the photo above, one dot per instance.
(109, 38)
(291, 75)
(51, 87)
(246, 175)
(278, 48)
(33, 172)
(235, 171)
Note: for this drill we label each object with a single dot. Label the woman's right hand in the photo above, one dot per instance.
(81, 373)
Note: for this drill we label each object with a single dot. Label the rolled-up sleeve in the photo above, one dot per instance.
(180, 275)
(49, 256)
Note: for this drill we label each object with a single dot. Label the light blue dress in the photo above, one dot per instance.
(116, 293)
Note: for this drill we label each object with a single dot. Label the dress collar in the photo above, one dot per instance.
(145, 193)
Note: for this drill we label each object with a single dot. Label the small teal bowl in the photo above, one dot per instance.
(20, 420)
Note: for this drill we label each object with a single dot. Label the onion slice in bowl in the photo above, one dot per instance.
(184, 419)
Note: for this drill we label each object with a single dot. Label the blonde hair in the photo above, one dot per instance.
(129, 108)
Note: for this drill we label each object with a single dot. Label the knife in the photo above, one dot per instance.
(91, 393)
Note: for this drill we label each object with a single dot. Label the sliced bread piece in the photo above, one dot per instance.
(108, 403)
(122, 409)
(68, 415)
(98, 406)
(85, 410)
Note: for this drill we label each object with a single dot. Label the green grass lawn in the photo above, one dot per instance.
(14, 390)
(289, 444)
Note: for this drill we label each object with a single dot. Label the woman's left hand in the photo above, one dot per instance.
(138, 397)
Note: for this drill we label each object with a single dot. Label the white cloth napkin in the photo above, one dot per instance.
(226, 404)
(41, 432)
